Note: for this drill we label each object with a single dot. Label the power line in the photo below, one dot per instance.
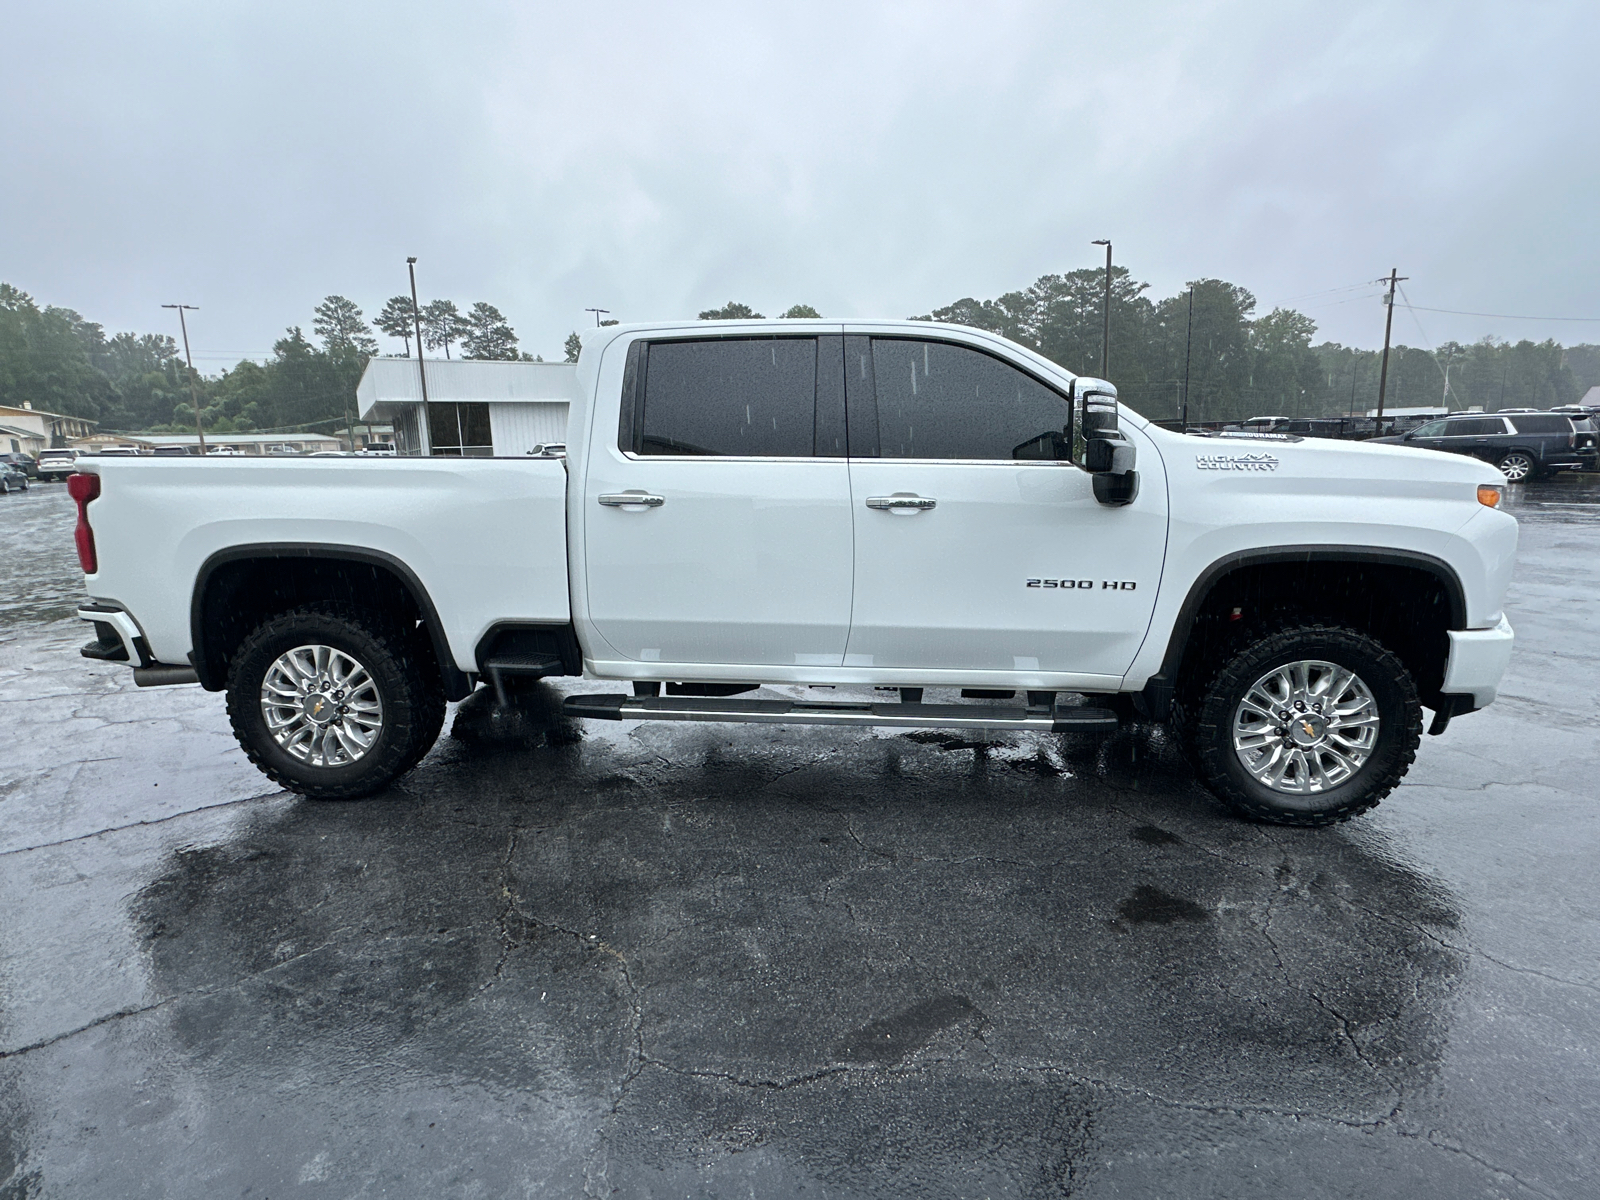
(1500, 316)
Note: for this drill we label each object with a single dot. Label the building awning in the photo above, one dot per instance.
(391, 382)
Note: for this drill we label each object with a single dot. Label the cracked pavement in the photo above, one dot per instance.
(636, 960)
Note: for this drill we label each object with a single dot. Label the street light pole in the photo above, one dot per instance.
(194, 397)
(1188, 346)
(1105, 334)
(416, 318)
(597, 312)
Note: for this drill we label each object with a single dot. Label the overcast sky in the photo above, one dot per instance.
(869, 159)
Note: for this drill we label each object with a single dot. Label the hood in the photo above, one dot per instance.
(1373, 467)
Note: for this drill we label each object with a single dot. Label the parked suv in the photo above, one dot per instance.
(56, 465)
(23, 462)
(1522, 445)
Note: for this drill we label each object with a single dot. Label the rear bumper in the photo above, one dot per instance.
(119, 639)
(1478, 659)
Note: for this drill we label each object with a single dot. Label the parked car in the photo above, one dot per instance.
(172, 452)
(12, 478)
(56, 465)
(27, 463)
(896, 504)
(385, 448)
(1522, 445)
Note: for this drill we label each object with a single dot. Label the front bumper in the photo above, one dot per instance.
(1478, 659)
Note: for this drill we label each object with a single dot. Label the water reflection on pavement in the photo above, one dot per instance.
(653, 960)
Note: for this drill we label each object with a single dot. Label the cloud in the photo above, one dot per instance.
(868, 159)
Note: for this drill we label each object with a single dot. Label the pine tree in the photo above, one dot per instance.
(396, 320)
(443, 325)
(342, 328)
(489, 335)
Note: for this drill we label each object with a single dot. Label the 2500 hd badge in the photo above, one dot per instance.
(1109, 585)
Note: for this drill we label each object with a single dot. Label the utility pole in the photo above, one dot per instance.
(1388, 325)
(597, 312)
(194, 398)
(1105, 334)
(1188, 347)
(416, 318)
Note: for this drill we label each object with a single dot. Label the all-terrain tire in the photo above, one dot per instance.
(412, 701)
(1209, 708)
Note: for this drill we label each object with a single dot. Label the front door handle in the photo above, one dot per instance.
(631, 500)
(901, 501)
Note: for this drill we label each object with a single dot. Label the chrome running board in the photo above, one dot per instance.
(1055, 719)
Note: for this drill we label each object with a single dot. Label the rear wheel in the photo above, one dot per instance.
(1310, 725)
(1517, 466)
(333, 703)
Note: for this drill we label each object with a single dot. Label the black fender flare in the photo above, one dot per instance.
(457, 683)
(1157, 696)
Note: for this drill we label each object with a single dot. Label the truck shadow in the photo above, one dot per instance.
(771, 956)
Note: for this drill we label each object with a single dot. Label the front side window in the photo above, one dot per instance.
(939, 400)
(460, 430)
(729, 397)
(1432, 429)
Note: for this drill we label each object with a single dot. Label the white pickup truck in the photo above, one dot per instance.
(879, 506)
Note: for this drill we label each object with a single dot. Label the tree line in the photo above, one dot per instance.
(61, 362)
(1240, 364)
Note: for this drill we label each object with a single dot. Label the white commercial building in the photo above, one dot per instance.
(475, 407)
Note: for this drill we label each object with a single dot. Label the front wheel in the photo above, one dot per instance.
(1517, 466)
(1308, 726)
(331, 703)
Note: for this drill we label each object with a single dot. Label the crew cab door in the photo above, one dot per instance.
(969, 554)
(717, 513)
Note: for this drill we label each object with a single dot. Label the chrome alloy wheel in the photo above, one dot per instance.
(1516, 467)
(1305, 727)
(321, 706)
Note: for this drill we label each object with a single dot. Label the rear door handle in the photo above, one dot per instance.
(901, 500)
(631, 500)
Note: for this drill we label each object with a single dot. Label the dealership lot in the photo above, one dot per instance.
(644, 960)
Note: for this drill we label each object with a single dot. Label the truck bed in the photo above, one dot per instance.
(485, 537)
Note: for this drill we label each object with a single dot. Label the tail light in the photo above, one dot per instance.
(83, 488)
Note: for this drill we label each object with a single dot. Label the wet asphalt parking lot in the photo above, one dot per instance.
(720, 961)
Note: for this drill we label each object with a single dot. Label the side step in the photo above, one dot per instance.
(1056, 719)
(534, 665)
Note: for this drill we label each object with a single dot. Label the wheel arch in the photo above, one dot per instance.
(1157, 696)
(317, 571)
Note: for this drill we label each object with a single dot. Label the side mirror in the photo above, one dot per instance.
(1105, 453)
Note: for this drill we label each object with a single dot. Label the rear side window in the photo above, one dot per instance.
(938, 400)
(1539, 423)
(1475, 427)
(729, 397)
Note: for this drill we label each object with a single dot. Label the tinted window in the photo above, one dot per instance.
(1431, 430)
(1541, 424)
(455, 430)
(1475, 427)
(937, 400)
(749, 397)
